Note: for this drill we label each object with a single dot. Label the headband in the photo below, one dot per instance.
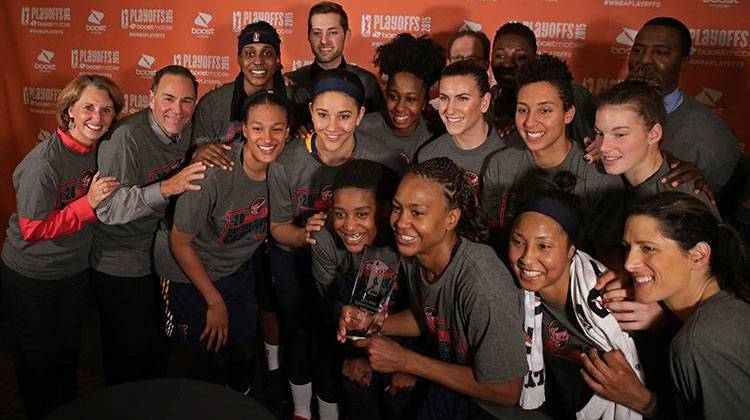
(339, 85)
(558, 211)
(255, 37)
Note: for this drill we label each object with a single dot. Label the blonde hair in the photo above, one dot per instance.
(72, 92)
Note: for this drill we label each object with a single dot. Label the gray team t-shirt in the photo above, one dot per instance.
(50, 177)
(512, 176)
(653, 186)
(300, 185)
(472, 161)
(228, 215)
(474, 313)
(709, 360)
(212, 120)
(374, 126)
(137, 156)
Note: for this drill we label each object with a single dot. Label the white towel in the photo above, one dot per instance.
(598, 325)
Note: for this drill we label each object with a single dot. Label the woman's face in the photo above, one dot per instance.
(335, 116)
(461, 104)
(420, 217)
(355, 217)
(626, 139)
(540, 117)
(258, 63)
(92, 115)
(540, 254)
(660, 268)
(405, 99)
(266, 130)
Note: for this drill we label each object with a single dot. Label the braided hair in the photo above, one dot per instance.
(459, 194)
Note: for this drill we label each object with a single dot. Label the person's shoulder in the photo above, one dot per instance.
(482, 270)
(692, 111)
(371, 123)
(716, 326)
(361, 72)
(293, 152)
(127, 131)
(431, 149)
(219, 94)
(300, 73)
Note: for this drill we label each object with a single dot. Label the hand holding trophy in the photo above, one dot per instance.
(368, 306)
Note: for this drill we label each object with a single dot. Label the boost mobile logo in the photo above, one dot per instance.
(44, 61)
(472, 26)
(626, 38)
(709, 96)
(95, 24)
(146, 61)
(202, 21)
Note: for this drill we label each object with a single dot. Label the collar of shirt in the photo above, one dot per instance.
(160, 133)
(315, 68)
(72, 144)
(673, 100)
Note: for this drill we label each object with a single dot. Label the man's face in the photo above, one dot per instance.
(467, 48)
(173, 103)
(656, 56)
(327, 38)
(509, 53)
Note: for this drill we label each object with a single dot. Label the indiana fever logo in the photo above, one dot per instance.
(75, 188)
(448, 351)
(246, 223)
(508, 205)
(165, 171)
(312, 200)
(473, 180)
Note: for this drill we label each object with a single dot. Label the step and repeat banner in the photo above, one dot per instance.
(46, 43)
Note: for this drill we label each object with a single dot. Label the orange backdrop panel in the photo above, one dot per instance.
(46, 43)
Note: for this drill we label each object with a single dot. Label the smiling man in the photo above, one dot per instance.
(327, 32)
(146, 152)
(692, 132)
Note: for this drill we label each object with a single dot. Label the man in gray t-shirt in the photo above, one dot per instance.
(146, 153)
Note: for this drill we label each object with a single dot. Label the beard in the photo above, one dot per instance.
(647, 73)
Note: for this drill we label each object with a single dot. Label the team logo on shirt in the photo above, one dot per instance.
(558, 335)
(165, 171)
(447, 349)
(508, 205)
(75, 188)
(249, 222)
(313, 200)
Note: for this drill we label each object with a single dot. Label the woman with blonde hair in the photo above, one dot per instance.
(45, 254)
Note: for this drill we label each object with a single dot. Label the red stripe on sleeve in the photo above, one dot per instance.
(71, 219)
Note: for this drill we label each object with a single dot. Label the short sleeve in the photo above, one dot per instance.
(279, 191)
(325, 267)
(37, 189)
(117, 158)
(193, 207)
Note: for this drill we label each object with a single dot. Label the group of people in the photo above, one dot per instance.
(557, 255)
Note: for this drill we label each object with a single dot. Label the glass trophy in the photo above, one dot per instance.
(373, 287)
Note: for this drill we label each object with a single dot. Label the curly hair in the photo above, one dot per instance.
(421, 57)
(550, 69)
(458, 193)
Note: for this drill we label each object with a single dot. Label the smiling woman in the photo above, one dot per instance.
(300, 183)
(45, 255)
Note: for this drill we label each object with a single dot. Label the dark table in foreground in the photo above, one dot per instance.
(164, 399)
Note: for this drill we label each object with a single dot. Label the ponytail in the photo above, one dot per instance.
(687, 221)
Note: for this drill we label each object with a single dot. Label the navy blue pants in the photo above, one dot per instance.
(374, 402)
(311, 351)
(443, 403)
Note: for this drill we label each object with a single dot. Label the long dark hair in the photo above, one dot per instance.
(458, 192)
(687, 221)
